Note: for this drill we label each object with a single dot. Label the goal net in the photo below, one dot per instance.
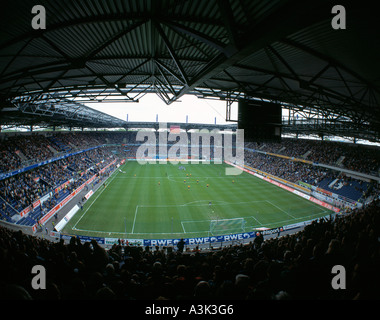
(219, 226)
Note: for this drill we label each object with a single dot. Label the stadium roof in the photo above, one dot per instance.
(116, 50)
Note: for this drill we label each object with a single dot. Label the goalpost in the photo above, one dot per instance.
(225, 225)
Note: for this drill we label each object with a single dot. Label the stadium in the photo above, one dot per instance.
(263, 198)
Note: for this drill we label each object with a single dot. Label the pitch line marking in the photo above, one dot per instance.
(190, 232)
(256, 220)
(192, 203)
(134, 220)
(281, 209)
(74, 227)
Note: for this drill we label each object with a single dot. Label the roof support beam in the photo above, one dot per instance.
(197, 35)
(330, 60)
(179, 78)
(117, 36)
(283, 62)
(262, 34)
(228, 19)
(171, 52)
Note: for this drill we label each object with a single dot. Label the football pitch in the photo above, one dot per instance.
(163, 201)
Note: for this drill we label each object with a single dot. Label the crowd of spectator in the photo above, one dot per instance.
(21, 190)
(358, 158)
(294, 171)
(289, 170)
(297, 266)
(8, 160)
(16, 150)
(294, 266)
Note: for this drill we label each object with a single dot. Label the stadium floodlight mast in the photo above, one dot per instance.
(222, 143)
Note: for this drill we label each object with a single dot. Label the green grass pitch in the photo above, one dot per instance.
(160, 201)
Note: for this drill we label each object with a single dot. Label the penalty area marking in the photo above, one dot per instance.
(281, 209)
(192, 204)
(191, 232)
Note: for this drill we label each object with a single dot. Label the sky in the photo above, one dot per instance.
(149, 106)
(197, 110)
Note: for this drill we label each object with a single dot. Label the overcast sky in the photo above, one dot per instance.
(198, 110)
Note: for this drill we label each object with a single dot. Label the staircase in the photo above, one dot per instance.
(331, 185)
(52, 149)
(339, 162)
(306, 154)
(21, 155)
